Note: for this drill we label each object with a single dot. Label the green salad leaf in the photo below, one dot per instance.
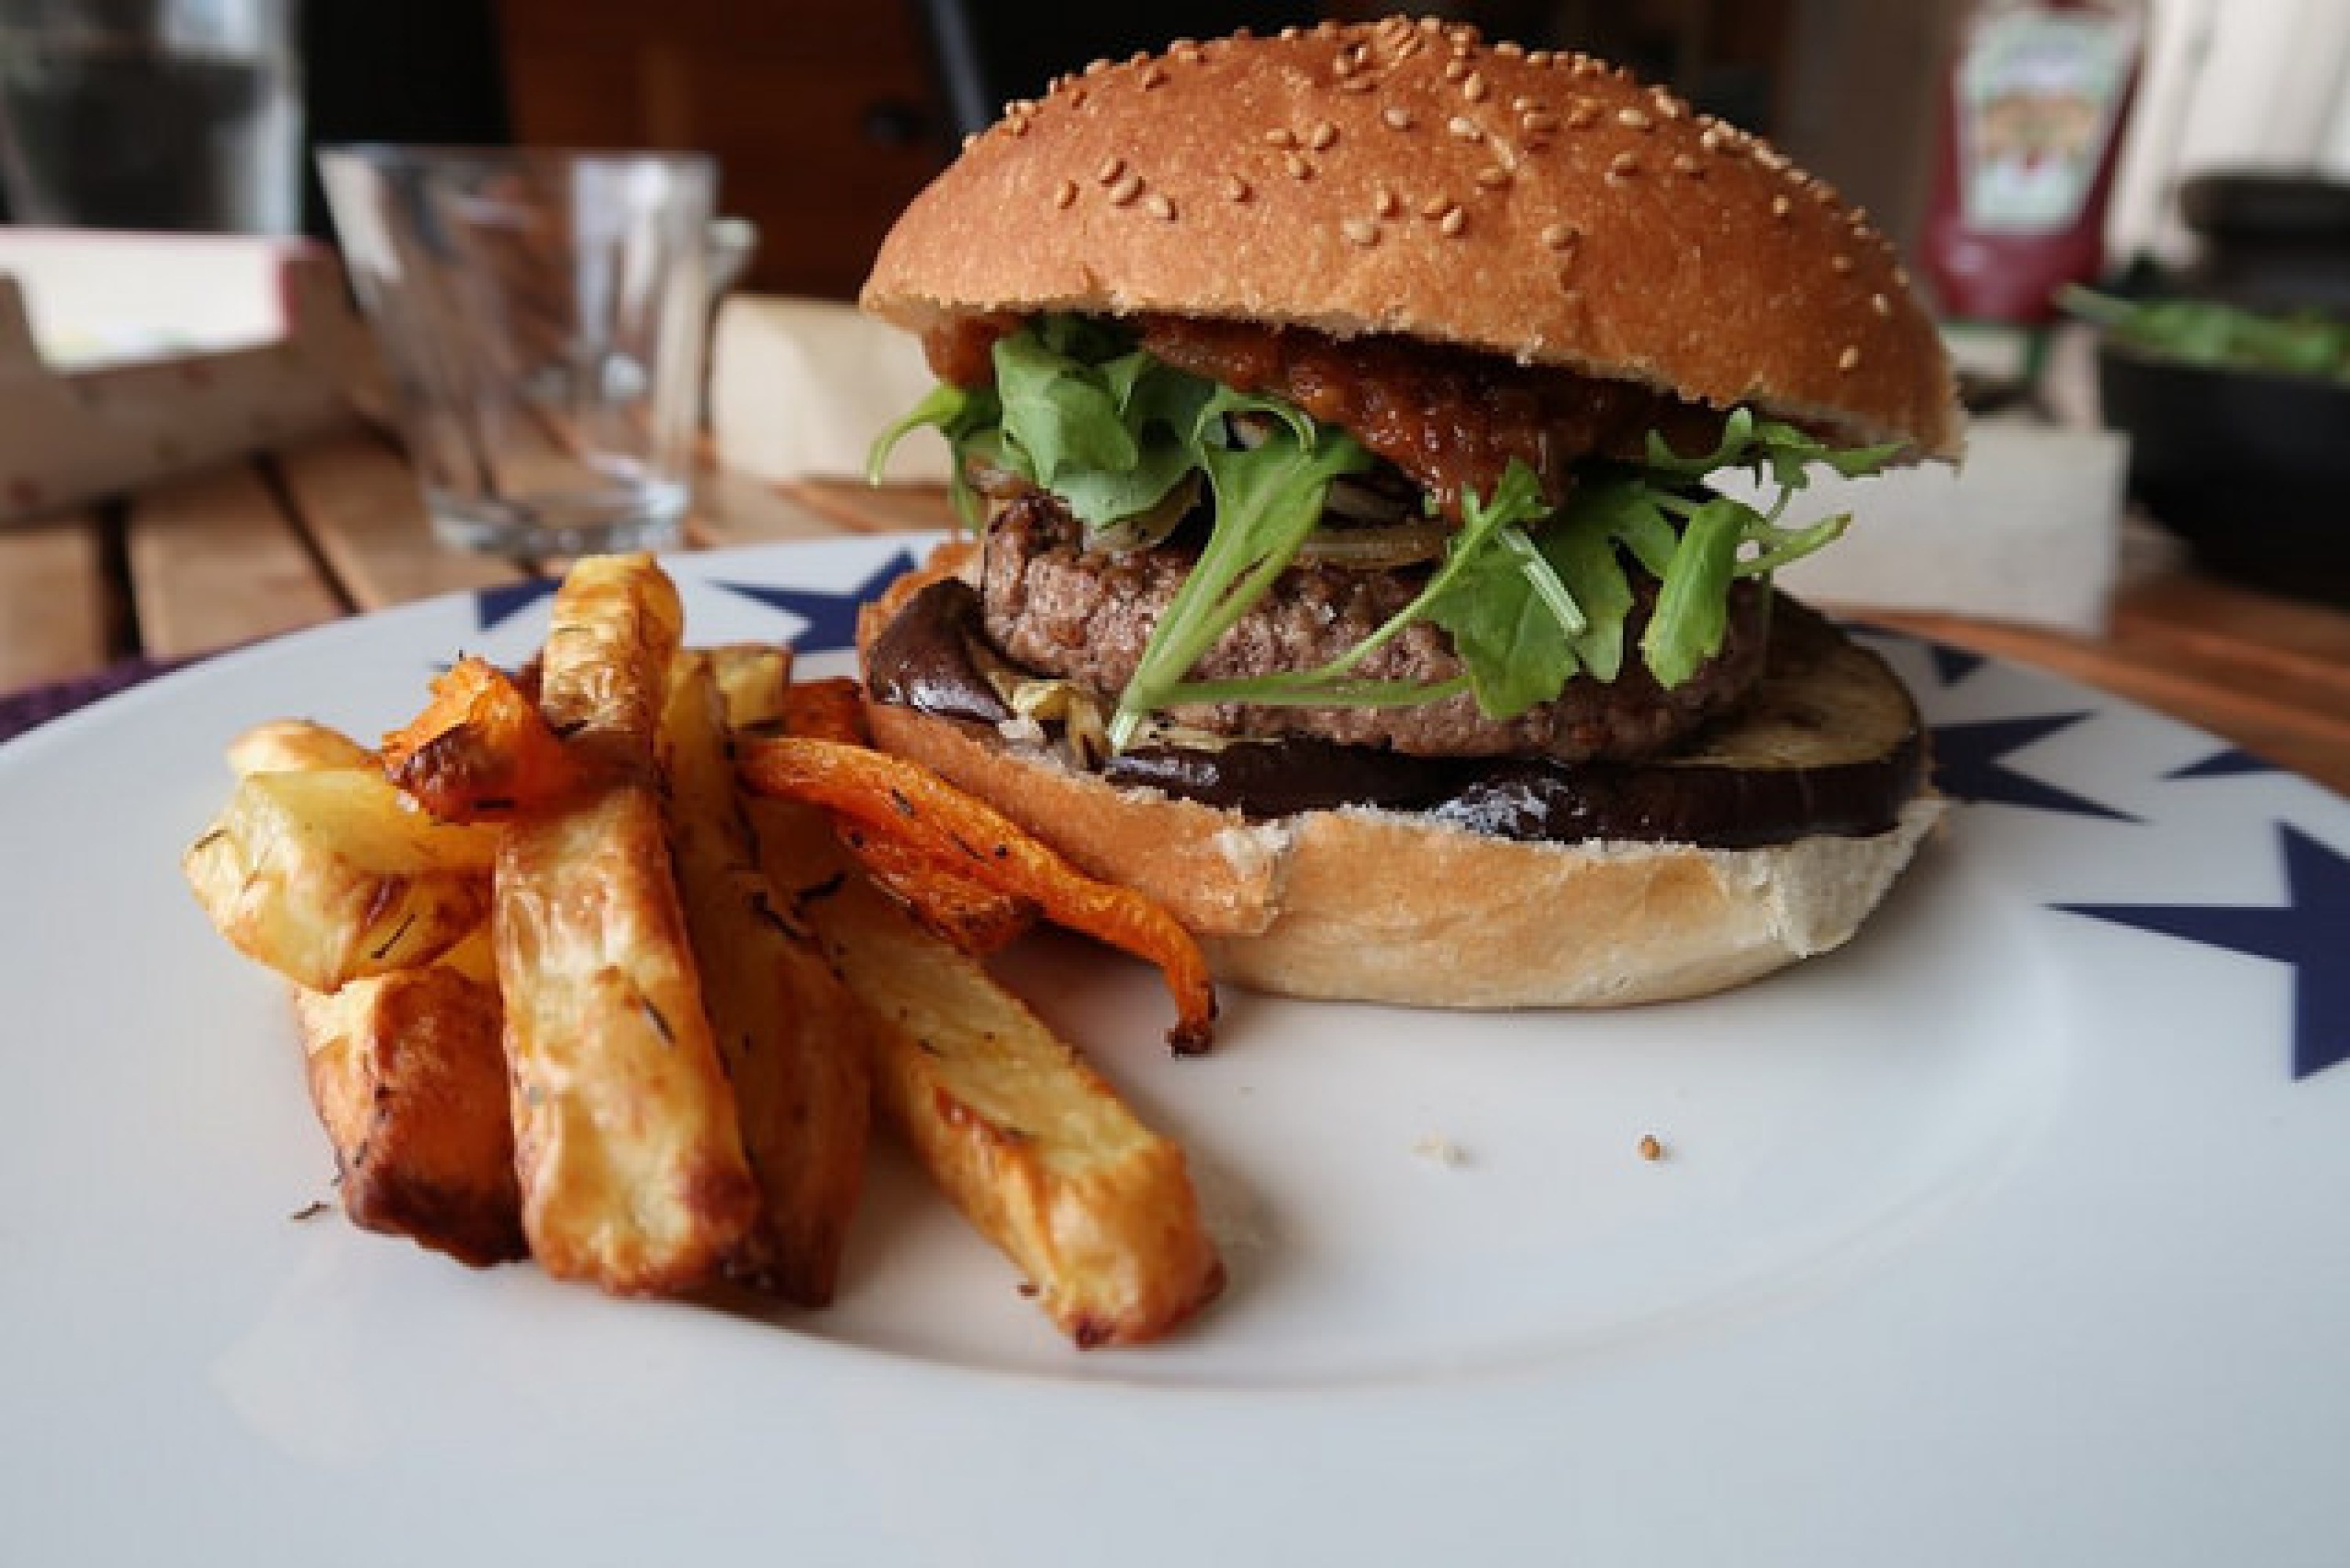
(1531, 595)
(2208, 332)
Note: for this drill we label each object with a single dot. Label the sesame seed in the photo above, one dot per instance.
(1016, 126)
(1879, 304)
(1296, 166)
(1492, 178)
(1280, 136)
(1128, 187)
(1322, 136)
(970, 138)
(1095, 67)
(1559, 236)
(1456, 68)
(1524, 104)
(1185, 50)
(1843, 265)
(1384, 203)
(1540, 57)
(1396, 117)
(1159, 207)
(1453, 221)
(1509, 49)
(1436, 206)
(1066, 194)
(1473, 88)
(1685, 164)
(1632, 119)
(1110, 171)
(1358, 86)
(1623, 166)
(1344, 64)
(1154, 77)
(1538, 122)
(1781, 207)
(1235, 188)
(1582, 115)
(1464, 128)
(1849, 360)
(1360, 232)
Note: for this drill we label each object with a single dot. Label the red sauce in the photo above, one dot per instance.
(1451, 418)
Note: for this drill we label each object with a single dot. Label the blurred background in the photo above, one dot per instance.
(828, 115)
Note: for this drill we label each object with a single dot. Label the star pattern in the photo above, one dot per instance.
(1970, 763)
(830, 616)
(2311, 931)
(492, 608)
(2229, 762)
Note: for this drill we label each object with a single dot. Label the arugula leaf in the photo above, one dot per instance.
(1268, 499)
(1530, 596)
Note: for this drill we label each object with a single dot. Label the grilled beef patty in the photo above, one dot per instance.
(1084, 616)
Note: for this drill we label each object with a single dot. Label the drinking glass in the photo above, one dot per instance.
(543, 316)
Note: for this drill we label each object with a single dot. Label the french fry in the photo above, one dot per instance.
(330, 875)
(480, 751)
(294, 746)
(791, 1035)
(890, 797)
(752, 678)
(409, 1081)
(1039, 1154)
(631, 1164)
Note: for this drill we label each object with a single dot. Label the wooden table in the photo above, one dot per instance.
(336, 526)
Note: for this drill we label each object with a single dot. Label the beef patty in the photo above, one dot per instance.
(1086, 616)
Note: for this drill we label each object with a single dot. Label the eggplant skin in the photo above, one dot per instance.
(1829, 742)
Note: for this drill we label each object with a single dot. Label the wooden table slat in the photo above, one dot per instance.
(53, 606)
(731, 508)
(861, 508)
(360, 502)
(215, 561)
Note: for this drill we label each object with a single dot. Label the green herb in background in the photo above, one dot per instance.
(2207, 332)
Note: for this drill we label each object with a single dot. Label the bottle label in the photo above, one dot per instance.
(2039, 94)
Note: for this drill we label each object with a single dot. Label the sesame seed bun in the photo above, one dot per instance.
(1406, 178)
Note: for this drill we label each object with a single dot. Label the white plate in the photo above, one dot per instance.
(2011, 1233)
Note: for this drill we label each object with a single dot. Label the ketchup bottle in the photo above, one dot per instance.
(2036, 97)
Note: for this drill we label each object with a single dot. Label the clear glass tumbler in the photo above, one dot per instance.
(543, 316)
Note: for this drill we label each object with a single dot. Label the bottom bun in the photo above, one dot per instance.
(1379, 906)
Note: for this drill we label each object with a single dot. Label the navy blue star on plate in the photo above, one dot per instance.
(2309, 931)
(1971, 763)
(2231, 762)
(830, 615)
(492, 608)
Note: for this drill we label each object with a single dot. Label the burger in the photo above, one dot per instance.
(1341, 416)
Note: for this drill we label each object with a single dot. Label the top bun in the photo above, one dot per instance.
(1405, 177)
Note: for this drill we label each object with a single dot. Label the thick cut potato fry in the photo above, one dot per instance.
(409, 1081)
(632, 1169)
(631, 1163)
(892, 797)
(1039, 1153)
(480, 751)
(790, 1034)
(294, 746)
(752, 680)
(616, 626)
(328, 875)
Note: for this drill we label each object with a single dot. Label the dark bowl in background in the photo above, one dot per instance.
(2250, 468)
